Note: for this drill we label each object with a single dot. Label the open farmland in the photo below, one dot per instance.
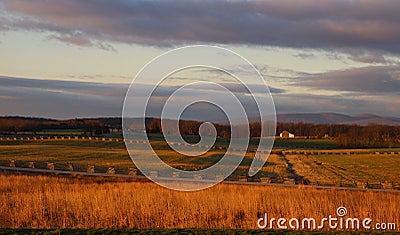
(346, 169)
(321, 165)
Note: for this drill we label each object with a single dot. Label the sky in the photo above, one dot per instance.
(71, 58)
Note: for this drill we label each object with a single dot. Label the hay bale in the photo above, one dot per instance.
(153, 174)
(31, 165)
(387, 185)
(176, 174)
(219, 178)
(197, 177)
(70, 166)
(360, 184)
(242, 179)
(90, 169)
(132, 171)
(289, 181)
(265, 180)
(11, 163)
(111, 171)
(376, 185)
(50, 166)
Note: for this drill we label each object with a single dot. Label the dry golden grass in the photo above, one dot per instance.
(49, 202)
(333, 169)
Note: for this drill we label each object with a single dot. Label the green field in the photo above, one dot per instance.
(324, 169)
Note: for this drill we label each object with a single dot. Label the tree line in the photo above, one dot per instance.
(346, 136)
(16, 125)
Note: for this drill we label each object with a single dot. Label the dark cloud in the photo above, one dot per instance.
(373, 79)
(69, 99)
(305, 24)
(366, 56)
(347, 104)
(59, 99)
(71, 87)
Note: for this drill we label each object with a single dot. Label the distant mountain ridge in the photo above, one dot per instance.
(337, 118)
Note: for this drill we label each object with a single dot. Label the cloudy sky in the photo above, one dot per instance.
(72, 58)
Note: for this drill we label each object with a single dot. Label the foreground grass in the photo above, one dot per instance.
(165, 231)
(49, 202)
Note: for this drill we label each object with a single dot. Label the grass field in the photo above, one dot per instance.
(55, 202)
(345, 169)
(326, 169)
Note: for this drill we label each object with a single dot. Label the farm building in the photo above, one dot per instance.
(286, 135)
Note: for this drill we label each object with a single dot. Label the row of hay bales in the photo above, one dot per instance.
(387, 153)
(41, 138)
(102, 139)
(70, 167)
(361, 185)
(294, 152)
(132, 171)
